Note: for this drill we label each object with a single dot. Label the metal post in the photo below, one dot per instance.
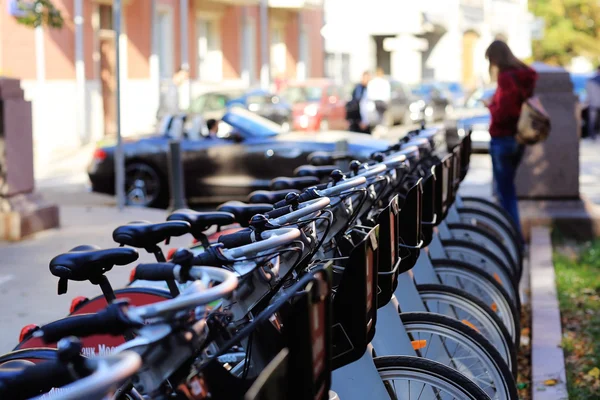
(176, 179)
(119, 157)
(264, 45)
(84, 135)
(185, 63)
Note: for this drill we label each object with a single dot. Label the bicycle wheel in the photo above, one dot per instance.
(493, 225)
(480, 236)
(462, 306)
(481, 257)
(482, 285)
(492, 208)
(414, 378)
(458, 346)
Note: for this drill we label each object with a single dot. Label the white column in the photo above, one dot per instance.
(154, 62)
(245, 42)
(302, 49)
(184, 97)
(265, 78)
(40, 55)
(82, 131)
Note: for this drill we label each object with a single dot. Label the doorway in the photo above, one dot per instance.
(108, 69)
(383, 58)
(470, 39)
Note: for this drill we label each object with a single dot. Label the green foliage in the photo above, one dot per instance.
(578, 284)
(572, 29)
(41, 12)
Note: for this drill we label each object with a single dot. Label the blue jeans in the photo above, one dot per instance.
(506, 156)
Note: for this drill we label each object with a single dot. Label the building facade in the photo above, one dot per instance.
(442, 40)
(69, 74)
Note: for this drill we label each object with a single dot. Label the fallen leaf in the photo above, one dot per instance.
(594, 372)
(550, 382)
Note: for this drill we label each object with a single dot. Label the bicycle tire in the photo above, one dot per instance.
(495, 226)
(498, 324)
(491, 286)
(515, 264)
(496, 207)
(416, 365)
(461, 330)
(501, 269)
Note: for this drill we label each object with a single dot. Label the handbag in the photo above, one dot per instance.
(534, 122)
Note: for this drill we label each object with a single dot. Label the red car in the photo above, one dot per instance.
(317, 105)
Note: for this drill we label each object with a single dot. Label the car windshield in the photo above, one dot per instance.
(249, 124)
(579, 81)
(303, 94)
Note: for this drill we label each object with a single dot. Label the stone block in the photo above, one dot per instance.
(550, 170)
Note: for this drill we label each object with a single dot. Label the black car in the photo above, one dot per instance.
(245, 155)
(214, 105)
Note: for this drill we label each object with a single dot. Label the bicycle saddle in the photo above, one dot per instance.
(269, 196)
(299, 183)
(411, 152)
(244, 212)
(146, 235)
(89, 263)
(320, 172)
(13, 367)
(327, 158)
(202, 221)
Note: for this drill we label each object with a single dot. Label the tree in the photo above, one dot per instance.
(38, 13)
(571, 30)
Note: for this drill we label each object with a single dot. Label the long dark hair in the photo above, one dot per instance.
(500, 55)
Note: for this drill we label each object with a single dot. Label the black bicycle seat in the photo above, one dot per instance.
(326, 158)
(85, 263)
(146, 235)
(13, 368)
(299, 183)
(320, 172)
(269, 196)
(411, 152)
(244, 212)
(201, 221)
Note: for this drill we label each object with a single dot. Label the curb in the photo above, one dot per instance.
(547, 357)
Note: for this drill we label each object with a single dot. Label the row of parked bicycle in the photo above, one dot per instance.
(380, 282)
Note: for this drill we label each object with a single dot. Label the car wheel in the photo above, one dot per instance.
(143, 186)
(324, 125)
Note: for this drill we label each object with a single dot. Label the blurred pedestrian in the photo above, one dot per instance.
(515, 83)
(357, 108)
(213, 128)
(592, 100)
(379, 92)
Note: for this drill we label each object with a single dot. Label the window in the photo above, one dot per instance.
(165, 44)
(278, 51)
(249, 48)
(210, 64)
(106, 17)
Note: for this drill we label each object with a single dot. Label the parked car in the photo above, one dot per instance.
(437, 101)
(247, 153)
(404, 107)
(264, 103)
(472, 116)
(317, 105)
(456, 92)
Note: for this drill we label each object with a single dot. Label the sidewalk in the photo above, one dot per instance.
(29, 291)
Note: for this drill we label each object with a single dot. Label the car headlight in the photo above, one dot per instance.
(416, 106)
(311, 110)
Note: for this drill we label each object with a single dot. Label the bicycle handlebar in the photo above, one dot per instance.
(111, 321)
(35, 379)
(239, 238)
(109, 372)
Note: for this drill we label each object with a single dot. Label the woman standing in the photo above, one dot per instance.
(516, 82)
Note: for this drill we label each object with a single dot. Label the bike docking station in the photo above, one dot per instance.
(375, 282)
